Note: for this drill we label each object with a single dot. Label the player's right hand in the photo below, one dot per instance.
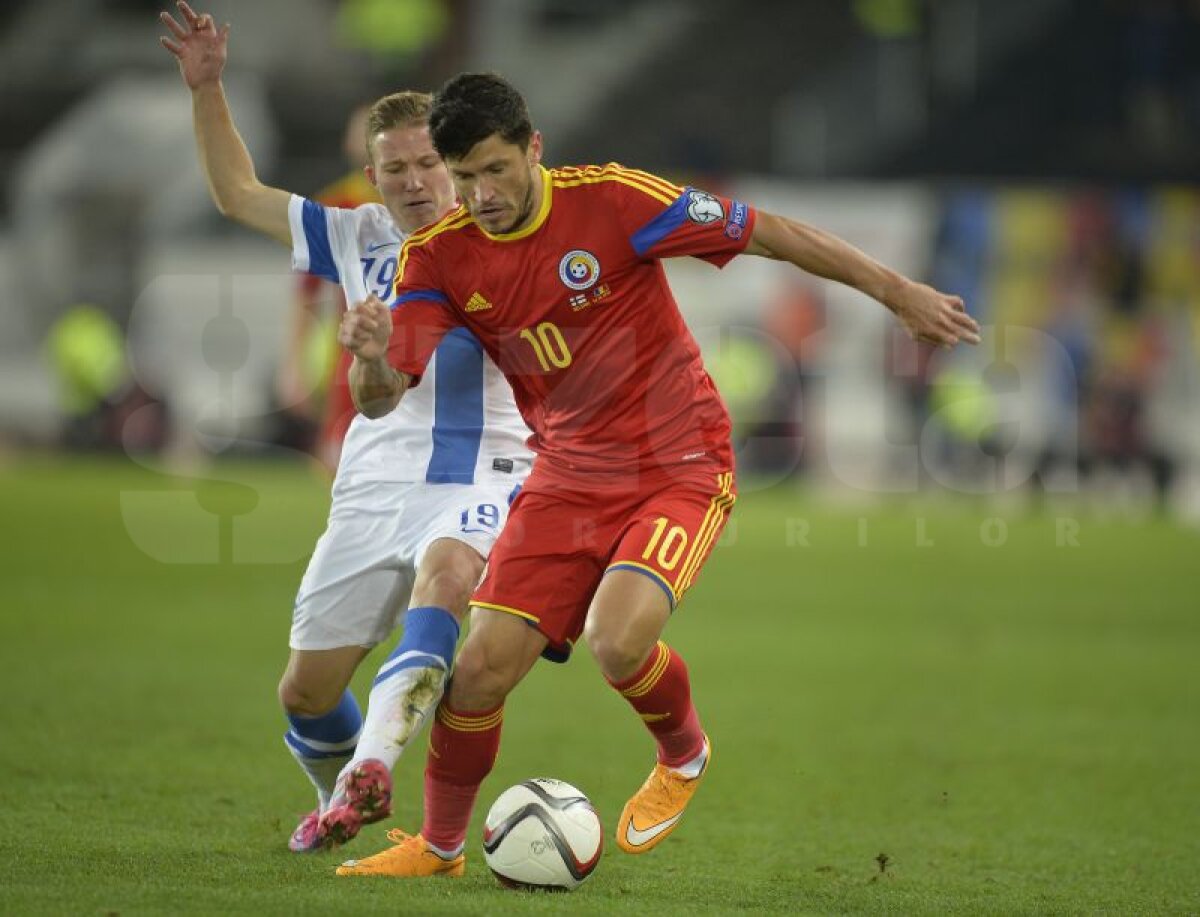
(366, 328)
(199, 46)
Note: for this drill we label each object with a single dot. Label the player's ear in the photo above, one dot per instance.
(369, 171)
(534, 151)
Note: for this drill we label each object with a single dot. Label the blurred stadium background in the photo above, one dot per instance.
(1034, 156)
(1039, 157)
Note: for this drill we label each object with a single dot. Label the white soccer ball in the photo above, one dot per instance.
(542, 833)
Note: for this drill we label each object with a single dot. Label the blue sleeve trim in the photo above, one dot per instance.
(661, 226)
(316, 233)
(431, 295)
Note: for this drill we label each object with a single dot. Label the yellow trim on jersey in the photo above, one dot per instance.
(717, 509)
(433, 229)
(512, 611)
(455, 219)
(469, 723)
(658, 577)
(619, 171)
(663, 192)
(646, 683)
(543, 212)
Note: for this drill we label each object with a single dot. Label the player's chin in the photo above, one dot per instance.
(418, 215)
(494, 221)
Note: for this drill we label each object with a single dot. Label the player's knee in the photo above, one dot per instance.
(301, 699)
(447, 576)
(448, 588)
(618, 655)
(478, 683)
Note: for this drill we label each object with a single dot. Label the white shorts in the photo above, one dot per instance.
(362, 571)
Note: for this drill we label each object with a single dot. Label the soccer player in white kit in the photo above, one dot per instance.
(419, 496)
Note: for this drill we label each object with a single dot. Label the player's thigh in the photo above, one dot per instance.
(672, 533)
(497, 653)
(315, 680)
(625, 620)
(448, 574)
(545, 567)
(355, 584)
(450, 530)
(660, 552)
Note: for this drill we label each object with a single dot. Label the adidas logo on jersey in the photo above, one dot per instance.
(477, 303)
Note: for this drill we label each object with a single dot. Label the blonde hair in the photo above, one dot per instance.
(400, 109)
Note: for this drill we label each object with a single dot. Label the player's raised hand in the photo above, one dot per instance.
(933, 317)
(366, 328)
(198, 45)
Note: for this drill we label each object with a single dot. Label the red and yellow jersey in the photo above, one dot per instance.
(576, 311)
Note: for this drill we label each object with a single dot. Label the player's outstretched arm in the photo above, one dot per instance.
(927, 315)
(365, 331)
(200, 48)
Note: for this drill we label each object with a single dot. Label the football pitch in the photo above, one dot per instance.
(922, 707)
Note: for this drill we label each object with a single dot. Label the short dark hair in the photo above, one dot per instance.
(473, 106)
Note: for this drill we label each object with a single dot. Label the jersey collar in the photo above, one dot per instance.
(536, 224)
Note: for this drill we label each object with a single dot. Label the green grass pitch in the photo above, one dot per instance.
(931, 722)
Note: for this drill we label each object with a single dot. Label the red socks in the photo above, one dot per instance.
(661, 694)
(463, 746)
(462, 750)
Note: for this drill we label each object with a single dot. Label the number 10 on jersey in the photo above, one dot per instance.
(549, 346)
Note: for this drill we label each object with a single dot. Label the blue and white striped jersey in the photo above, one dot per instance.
(460, 425)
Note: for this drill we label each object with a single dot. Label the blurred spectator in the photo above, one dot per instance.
(102, 406)
(1099, 272)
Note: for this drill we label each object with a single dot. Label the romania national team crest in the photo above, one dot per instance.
(579, 269)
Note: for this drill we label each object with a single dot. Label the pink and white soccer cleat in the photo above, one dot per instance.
(308, 836)
(362, 797)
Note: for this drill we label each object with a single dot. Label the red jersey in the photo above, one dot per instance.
(576, 311)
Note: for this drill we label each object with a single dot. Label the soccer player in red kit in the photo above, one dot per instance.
(558, 273)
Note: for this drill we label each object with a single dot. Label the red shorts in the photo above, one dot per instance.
(562, 537)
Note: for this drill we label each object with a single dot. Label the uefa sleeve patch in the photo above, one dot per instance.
(703, 208)
(737, 220)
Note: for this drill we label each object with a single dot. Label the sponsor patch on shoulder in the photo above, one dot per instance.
(502, 464)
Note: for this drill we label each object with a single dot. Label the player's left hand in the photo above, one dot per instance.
(933, 317)
(366, 328)
(198, 45)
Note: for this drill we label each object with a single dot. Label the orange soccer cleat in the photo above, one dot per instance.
(655, 809)
(411, 858)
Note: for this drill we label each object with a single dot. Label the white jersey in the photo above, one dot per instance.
(460, 425)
